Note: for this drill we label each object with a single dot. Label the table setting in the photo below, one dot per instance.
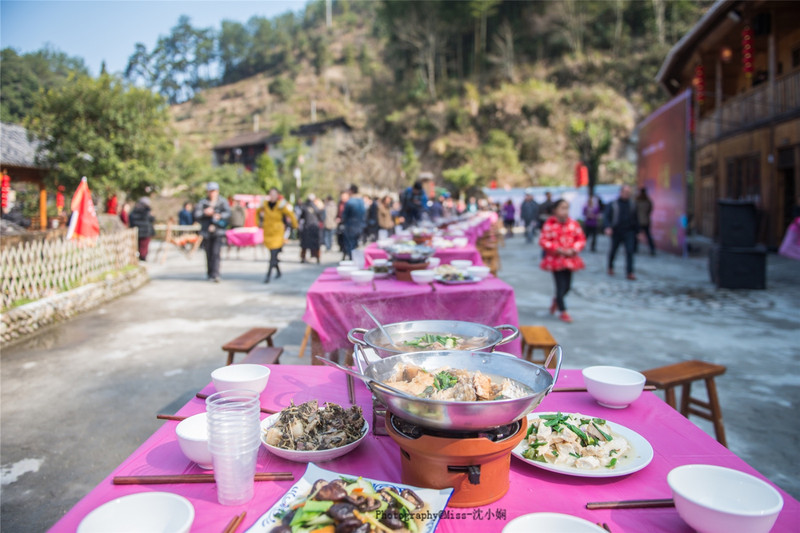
(671, 477)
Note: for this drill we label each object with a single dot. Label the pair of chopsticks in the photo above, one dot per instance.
(351, 391)
(193, 478)
(583, 389)
(632, 504)
(604, 526)
(263, 409)
(233, 525)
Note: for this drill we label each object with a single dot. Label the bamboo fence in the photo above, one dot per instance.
(36, 269)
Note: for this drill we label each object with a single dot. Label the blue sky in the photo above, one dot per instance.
(109, 29)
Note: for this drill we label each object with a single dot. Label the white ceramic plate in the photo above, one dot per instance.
(637, 458)
(436, 500)
(551, 523)
(464, 281)
(307, 456)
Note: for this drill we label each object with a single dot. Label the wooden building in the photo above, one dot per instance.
(742, 60)
(244, 149)
(18, 161)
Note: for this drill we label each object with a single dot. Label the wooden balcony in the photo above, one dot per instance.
(751, 109)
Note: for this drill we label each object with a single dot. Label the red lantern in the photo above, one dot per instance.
(699, 83)
(747, 51)
(6, 189)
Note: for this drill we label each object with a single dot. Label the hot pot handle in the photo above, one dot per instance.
(361, 358)
(514, 334)
(351, 336)
(557, 351)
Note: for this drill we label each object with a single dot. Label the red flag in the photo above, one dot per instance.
(84, 221)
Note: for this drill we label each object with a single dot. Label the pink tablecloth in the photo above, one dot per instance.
(333, 306)
(245, 236)
(484, 222)
(676, 441)
(447, 255)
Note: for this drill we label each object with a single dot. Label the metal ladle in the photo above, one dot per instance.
(380, 326)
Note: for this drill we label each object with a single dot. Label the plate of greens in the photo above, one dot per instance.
(323, 498)
(582, 445)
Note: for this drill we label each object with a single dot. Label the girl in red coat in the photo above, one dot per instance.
(561, 238)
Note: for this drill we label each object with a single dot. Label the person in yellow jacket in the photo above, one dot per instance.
(273, 212)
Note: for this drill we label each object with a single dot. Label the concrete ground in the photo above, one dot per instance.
(81, 396)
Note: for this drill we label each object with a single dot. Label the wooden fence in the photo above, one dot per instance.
(33, 270)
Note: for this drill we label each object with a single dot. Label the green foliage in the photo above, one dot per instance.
(115, 135)
(267, 173)
(322, 54)
(281, 87)
(461, 178)
(410, 162)
(24, 75)
(497, 159)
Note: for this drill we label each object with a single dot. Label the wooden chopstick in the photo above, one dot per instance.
(351, 391)
(171, 417)
(263, 409)
(194, 478)
(604, 526)
(583, 389)
(233, 525)
(632, 504)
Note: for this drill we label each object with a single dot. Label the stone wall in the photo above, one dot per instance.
(21, 322)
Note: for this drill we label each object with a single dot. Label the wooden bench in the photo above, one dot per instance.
(246, 342)
(263, 355)
(684, 374)
(536, 337)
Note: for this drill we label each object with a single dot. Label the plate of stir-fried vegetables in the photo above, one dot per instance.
(324, 501)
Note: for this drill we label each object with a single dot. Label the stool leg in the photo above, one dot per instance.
(230, 358)
(686, 393)
(669, 397)
(716, 412)
(269, 341)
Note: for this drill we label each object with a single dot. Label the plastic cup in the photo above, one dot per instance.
(233, 440)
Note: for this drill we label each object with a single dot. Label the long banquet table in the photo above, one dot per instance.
(446, 255)
(675, 440)
(333, 305)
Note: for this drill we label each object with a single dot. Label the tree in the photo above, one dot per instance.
(267, 173)
(409, 162)
(481, 10)
(461, 178)
(100, 128)
(497, 158)
(592, 140)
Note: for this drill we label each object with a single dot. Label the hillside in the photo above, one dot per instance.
(511, 117)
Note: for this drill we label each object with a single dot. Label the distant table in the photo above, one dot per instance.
(333, 306)
(446, 255)
(675, 440)
(243, 237)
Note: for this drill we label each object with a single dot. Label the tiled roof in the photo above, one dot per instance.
(265, 137)
(15, 148)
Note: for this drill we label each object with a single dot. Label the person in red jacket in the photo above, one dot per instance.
(561, 239)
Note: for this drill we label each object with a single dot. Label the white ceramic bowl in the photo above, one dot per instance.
(362, 277)
(461, 264)
(145, 511)
(613, 386)
(423, 277)
(715, 499)
(433, 262)
(551, 523)
(478, 271)
(247, 377)
(299, 456)
(460, 242)
(345, 271)
(347, 262)
(193, 439)
(380, 262)
(385, 243)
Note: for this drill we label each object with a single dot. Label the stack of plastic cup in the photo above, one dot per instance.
(233, 439)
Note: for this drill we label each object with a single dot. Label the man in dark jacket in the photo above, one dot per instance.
(353, 220)
(529, 213)
(141, 219)
(212, 213)
(621, 225)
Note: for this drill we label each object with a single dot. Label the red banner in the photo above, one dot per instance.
(84, 221)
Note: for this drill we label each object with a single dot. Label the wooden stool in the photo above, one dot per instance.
(491, 258)
(263, 355)
(534, 337)
(246, 342)
(669, 377)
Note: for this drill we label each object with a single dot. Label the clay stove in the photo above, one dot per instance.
(475, 463)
